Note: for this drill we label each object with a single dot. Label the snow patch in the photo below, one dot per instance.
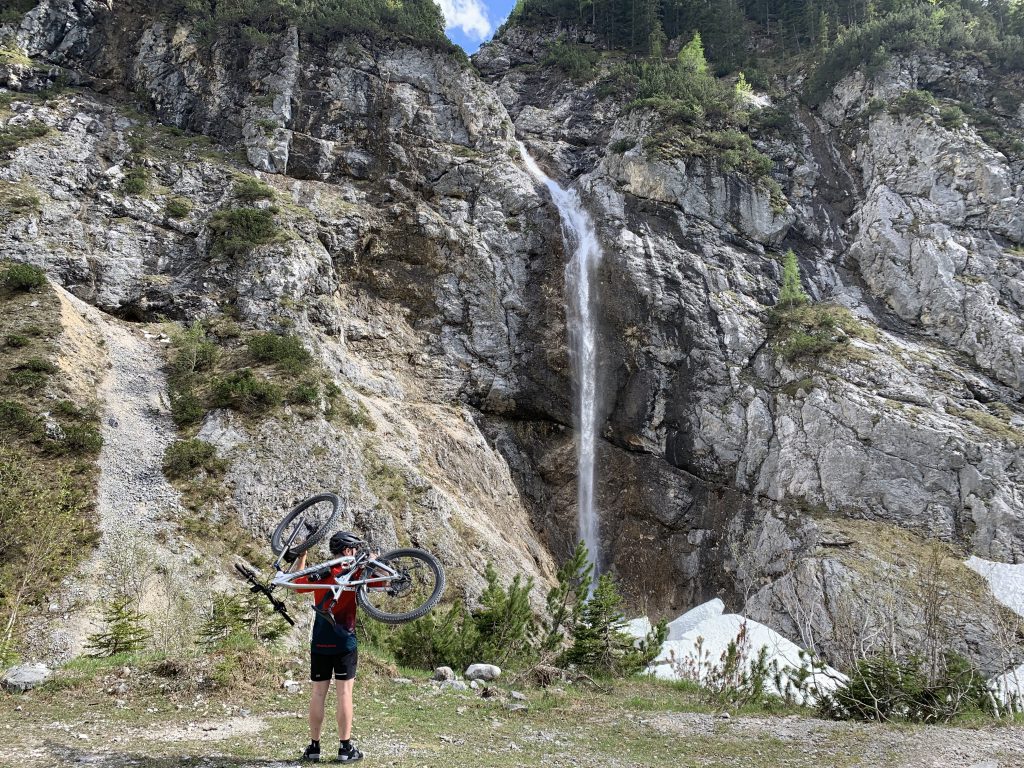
(1004, 579)
(698, 653)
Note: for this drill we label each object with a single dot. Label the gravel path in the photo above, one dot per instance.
(894, 747)
(133, 498)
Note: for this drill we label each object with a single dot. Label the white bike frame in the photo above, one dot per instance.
(344, 581)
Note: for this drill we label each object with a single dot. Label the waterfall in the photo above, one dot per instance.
(581, 241)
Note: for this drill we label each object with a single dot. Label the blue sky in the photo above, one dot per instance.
(471, 22)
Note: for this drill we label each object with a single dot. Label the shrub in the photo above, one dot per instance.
(186, 407)
(886, 688)
(29, 381)
(246, 392)
(913, 102)
(240, 621)
(304, 393)
(622, 145)
(24, 277)
(22, 204)
(284, 351)
(249, 190)
(79, 440)
(136, 181)
(579, 62)
(192, 352)
(14, 136)
(15, 417)
(952, 116)
(39, 365)
(183, 457)
(239, 230)
(437, 640)
(813, 330)
(598, 643)
(504, 623)
(178, 208)
(17, 340)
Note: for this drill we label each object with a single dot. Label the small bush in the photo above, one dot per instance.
(136, 181)
(913, 102)
(28, 381)
(952, 116)
(284, 351)
(14, 136)
(885, 688)
(24, 277)
(178, 208)
(249, 190)
(304, 393)
(17, 340)
(38, 364)
(246, 392)
(124, 631)
(15, 417)
(622, 145)
(579, 62)
(239, 230)
(79, 440)
(186, 408)
(184, 457)
(22, 204)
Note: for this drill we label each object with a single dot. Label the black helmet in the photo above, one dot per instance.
(343, 540)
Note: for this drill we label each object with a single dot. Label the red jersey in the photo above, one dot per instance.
(328, 638)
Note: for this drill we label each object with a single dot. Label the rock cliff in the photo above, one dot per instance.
(419, 261)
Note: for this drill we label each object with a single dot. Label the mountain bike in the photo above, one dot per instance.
(395, 587)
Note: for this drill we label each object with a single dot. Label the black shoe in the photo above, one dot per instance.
(312, 753)
(349, 754)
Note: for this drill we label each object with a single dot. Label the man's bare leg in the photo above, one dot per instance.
(316, 708)
(344, 691)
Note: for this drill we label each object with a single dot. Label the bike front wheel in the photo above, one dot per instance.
(402, 585)
(306, 525)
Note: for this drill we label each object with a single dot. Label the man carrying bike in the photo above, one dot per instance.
(332, 649)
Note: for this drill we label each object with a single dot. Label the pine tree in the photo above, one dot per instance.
(598, 642)
(691, 56)
(792, 293)
(124, 633)
(504, 621)
(565, 601)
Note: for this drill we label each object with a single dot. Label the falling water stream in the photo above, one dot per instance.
(581, 241)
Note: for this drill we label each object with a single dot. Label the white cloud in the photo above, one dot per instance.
(468, 15)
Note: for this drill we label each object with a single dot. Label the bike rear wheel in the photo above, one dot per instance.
(310, 521)
(415, 588)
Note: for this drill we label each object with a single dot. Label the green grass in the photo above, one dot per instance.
(627, 724)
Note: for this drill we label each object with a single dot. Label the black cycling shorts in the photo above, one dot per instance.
(341, 666)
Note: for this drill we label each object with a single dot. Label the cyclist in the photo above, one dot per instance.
(333, 650)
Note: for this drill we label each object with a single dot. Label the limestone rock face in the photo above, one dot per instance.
(426, 269)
